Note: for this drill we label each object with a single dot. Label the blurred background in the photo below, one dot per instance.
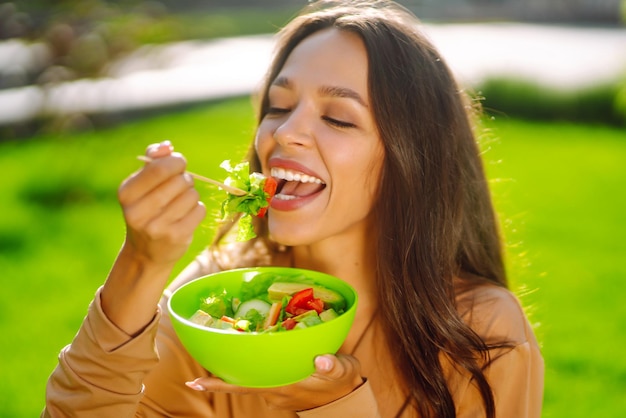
(85, 85)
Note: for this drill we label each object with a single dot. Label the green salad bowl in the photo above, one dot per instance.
(258, 359)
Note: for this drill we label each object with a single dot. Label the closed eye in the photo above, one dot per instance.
(338, 123)
(277, 111)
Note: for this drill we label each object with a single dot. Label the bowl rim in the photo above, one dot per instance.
(187, 322)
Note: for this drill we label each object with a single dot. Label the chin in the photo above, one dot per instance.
(290, 235)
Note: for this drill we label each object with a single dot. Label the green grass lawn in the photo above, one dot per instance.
(558, 187)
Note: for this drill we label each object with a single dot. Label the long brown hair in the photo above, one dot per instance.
(435, 220)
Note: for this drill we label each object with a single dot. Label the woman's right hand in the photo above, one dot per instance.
(162, 209)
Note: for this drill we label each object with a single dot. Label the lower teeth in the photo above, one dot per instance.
(284, 197)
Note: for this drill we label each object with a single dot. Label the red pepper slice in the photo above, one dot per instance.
(272, 316)
(300, 311)
(303, 301)
(228, 319)
(270, 189)
(316, 304)
(289, 323)
(299, 300)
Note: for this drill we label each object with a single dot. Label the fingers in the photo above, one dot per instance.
(151, 176)
(159, 150)
(338, 368)
(334, 377)
(184, 227)
(169, 200)
(161, 206)
(178, 220)
(214, 384)
(183, 205)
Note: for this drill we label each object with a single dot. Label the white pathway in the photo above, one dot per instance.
(558, 56)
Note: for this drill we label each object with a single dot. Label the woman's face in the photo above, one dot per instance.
(320, 141)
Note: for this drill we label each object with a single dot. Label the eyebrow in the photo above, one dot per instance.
(326, 91)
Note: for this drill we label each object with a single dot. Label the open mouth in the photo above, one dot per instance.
(294, 184)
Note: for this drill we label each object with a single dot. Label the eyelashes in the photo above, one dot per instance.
(279, 111)
(338, 123)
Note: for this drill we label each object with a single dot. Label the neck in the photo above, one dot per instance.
(353, 260)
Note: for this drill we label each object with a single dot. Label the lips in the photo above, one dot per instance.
(296, 185)
(293, 184)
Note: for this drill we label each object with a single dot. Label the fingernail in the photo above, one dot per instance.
(166, 143)
(323, 364)
(195, 386)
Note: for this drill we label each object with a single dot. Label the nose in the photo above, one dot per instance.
(295, 129)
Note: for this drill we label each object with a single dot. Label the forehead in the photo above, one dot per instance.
(329, 56)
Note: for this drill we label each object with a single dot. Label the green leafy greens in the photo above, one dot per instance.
(258, 286)
(248, 205)
(217, 304)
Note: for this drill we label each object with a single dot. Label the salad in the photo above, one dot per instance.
(270, 303)
(260, 191)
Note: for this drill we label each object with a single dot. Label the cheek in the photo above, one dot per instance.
(358, 180)
(371, 174)
(363, 167)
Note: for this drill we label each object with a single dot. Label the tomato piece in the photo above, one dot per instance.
(270, 189)
(316, 304)
(289, 323)
(300, 311)
(299, 300)
(303, 301)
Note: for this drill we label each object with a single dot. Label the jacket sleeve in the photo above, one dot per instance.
(518, 382)
(101, 373)
(361, 403)
(515, 374)
(516, 379)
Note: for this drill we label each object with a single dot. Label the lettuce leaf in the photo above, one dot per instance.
(257, 287)
(217, 304)
(248, 205)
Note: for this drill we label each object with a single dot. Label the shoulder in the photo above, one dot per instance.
(230, 256)
(495, 314)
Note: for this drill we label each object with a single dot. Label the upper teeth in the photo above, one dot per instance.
(289, 175)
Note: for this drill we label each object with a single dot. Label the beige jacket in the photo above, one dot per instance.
(106, 373)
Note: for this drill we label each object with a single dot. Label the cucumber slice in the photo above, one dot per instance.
(259, 305)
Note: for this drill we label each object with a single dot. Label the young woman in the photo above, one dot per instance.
(357, 98)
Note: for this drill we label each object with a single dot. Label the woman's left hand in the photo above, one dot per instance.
(334, 378)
